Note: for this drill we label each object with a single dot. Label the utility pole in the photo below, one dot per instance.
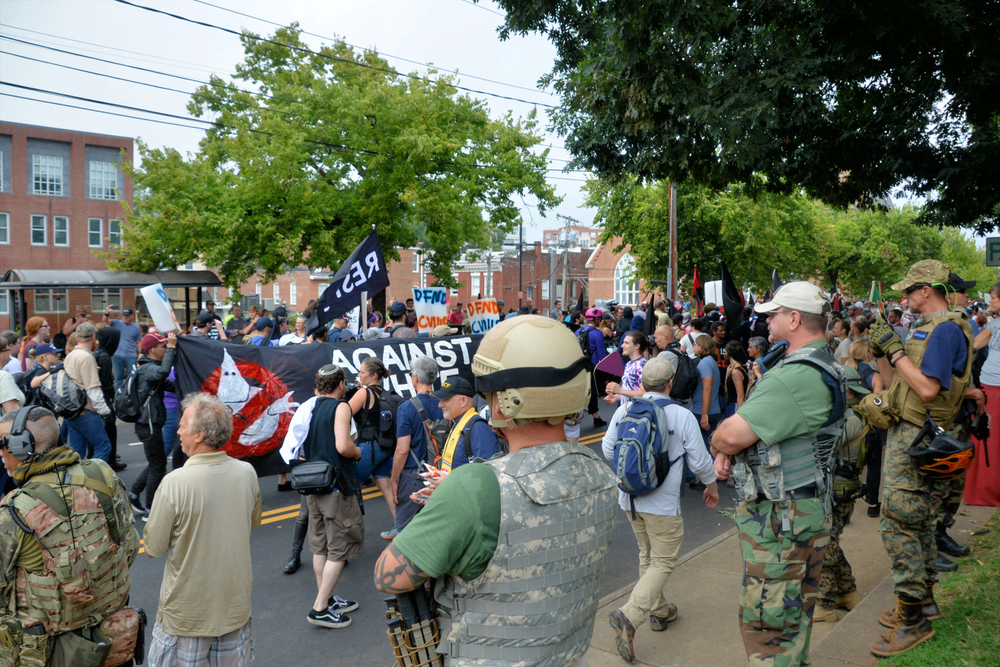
(520, 263)
(673, 242)
(566, 244)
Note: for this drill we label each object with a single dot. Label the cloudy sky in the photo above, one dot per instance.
(450, 34)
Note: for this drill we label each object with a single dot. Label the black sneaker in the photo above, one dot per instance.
(339, 605)
(598, 422)
(145, 516)
(328, 619)
(118, 467)
(135, 502)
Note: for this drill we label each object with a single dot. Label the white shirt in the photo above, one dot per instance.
(13, 366)
(298, 429)
(686, 440)
(687, 344)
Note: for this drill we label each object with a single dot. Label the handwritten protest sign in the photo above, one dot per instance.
(431, 306)
(484, 315)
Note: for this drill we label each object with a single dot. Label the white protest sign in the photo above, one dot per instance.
(483, 315)
(431, 306)
(352, 319)
(159, 308)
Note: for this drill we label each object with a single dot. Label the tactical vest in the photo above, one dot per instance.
(85, 575)
(946, 405)
(771, 471)
(535, 603)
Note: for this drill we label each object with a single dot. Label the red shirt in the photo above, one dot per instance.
(456, 318)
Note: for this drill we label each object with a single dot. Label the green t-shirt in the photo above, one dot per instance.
(788, 401)
(457, 531)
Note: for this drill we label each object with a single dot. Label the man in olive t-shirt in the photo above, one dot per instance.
(783, 543)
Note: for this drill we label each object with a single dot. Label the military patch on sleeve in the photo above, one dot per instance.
(919, 335)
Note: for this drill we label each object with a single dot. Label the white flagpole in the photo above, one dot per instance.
(362, 316)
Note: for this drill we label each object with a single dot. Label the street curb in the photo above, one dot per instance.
(683, 559)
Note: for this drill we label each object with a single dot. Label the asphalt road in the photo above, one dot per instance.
(281, 602)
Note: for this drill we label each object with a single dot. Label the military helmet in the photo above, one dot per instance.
(535, 366)
(944, 457)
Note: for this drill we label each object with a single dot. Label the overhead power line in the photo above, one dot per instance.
(478, 6)
(324, 55)
(381, 53)
(101, 111)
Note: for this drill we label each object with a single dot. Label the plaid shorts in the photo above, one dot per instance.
(233, 649)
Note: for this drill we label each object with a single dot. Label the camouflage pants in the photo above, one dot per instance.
(837, 578)
(951, 500)
(781, 572)
(910, 504)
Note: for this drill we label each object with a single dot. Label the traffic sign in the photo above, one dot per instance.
(993, 251)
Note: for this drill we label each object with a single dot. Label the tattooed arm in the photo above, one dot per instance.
(395, 573)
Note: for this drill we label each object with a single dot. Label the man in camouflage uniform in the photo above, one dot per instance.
(958, 299)
(519, 569)
(837, 588)
(784, 477)
(930, 375)
(65, 511)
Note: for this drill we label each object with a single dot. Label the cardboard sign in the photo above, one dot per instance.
(159, 308)
(484, 315)
(431, 306)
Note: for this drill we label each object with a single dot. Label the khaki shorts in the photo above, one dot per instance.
(336, 528)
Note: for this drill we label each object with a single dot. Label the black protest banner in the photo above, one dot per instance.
(363, 271)
(264, 385)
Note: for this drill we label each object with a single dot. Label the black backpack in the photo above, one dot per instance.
(583, 337)
(23, 382)
(128, 404)
(686, 378)
(63, 396)
(384, 430)
(435, 430)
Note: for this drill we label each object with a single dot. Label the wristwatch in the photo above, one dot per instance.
(894, 358)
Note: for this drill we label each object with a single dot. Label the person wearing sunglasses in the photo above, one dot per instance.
(930, 377)
(778, 449)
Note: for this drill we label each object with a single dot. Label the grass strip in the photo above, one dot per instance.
(969, 633)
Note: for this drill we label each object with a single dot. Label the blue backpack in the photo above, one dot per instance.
(641, 460)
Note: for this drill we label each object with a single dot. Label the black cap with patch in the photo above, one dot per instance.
(457, 386)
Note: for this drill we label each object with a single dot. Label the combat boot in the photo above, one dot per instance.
(848, 601)
(825, 614)
(930, 609)
(911, 629)
(943, 564)
(945, 544)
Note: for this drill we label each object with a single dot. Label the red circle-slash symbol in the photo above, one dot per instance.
(271, 389)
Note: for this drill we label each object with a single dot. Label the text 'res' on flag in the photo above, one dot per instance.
(363, 271)
(698, 294)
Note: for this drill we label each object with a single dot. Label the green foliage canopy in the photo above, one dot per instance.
(843, 100)
(299, 170)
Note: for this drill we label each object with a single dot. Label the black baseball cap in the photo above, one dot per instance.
(127, 311)
(204, 318)
(955, 282)
(397, 309)
(458, 386)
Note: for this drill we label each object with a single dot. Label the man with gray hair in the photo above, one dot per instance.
(656, 519)
(412, 440)
(201, 520)
(86, 430)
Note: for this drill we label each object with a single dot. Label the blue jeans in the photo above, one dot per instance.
(88, 429)
(375, 462)
(122, 366)
(170, 431)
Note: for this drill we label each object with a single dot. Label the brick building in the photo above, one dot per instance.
(61, 196)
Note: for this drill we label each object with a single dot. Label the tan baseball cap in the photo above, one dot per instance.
(658, 371)
(926, 271)
(85, 331)
(799, 295)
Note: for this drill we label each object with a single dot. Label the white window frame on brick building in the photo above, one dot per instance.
(626, 293)
(60, 231)
(4, 228)
(114, 232)
(454, 290)
(475, 280)
(92, 240)
(4, 306)
(321, 288)
(416, 262)
(51, 301)
(47, 175)
(102, 298)
(103, 180)
(258, 289)
(293, 296)
(42, 227)
(276, 293)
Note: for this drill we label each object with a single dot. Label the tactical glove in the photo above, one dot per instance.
(882, 339)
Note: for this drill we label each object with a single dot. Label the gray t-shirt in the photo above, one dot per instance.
(991, 369)
(131, 333)
(842, 349)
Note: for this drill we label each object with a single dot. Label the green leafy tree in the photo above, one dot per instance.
(967, 259)
(752, 235)
(843, 100)
(328, 145)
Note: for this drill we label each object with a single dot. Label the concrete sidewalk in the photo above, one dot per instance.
(706, 586)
